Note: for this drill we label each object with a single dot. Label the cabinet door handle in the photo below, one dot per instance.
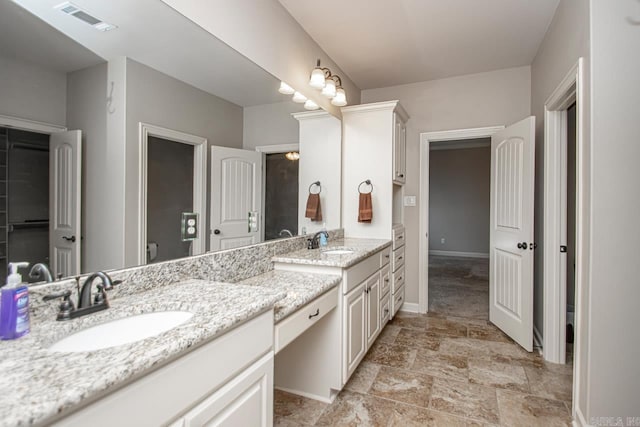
(315, 314)
(386, 256)
(399, 258)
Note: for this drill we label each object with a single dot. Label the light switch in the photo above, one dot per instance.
(189, 226)
(253, 221)
(409, 200)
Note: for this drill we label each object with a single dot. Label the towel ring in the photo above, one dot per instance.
(367, 182)
(319, 187)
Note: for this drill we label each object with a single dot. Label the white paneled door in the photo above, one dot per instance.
(65, 170)
(511, 235)
(236, 197)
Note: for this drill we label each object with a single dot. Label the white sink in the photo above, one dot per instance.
(121, 331)
(338, 252)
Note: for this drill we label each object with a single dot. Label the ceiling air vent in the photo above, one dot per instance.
(73, 10)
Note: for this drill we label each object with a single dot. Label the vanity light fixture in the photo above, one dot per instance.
(330, 85)
(311, 105)
(299, 98)
(285, 89)
(292, 155)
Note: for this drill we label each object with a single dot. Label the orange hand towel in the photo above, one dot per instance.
(314, 210)
(365, 210)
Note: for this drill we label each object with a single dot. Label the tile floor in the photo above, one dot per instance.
(450, 367)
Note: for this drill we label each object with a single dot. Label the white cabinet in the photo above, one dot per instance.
(372, 290)
(373, 148)
(219, 383)
(354, 330)
(362, 319)
(399, 150)
(245, 401)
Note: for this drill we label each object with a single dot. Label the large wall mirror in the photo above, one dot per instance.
(147, 142)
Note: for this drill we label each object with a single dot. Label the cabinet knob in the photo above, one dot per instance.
(216, 231)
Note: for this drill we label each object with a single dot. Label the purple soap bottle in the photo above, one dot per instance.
(14, 305)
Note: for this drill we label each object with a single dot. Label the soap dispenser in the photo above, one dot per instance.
(14, 305)
(324, 236)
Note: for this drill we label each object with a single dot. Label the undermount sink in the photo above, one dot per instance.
(121, 331)
(338, 252)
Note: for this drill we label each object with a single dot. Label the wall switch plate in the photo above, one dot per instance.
(253, 221)
(442, 240)
(189, 226)
(409, 200)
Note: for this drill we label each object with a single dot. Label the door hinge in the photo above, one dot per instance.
(563, 248)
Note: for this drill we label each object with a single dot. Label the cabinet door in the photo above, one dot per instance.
(245, 401)
(354, 334)
(399, 150)
(373, 308)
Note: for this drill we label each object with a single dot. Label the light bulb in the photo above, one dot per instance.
(310, 105)
(292, 155)
(299, 98)
(286, 89)
(317, 78)
(340, 100)
(329, 89)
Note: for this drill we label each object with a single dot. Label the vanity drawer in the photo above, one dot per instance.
(385, 310)
(294, 325)
(398, 237)
(385, 280)
(385, 256)
(396, 301)
(355, 275)
(398, 280)
(398, 258)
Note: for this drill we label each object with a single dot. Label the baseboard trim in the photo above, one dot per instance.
(459, 254)
(579, 420)
(410, 307)
(537, 339)
(307, 395)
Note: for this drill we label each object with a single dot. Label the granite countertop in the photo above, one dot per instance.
(362, 248)
(36, 384)
(301, 288)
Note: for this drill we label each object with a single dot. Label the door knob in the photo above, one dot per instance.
(216, 231)
(522, 245)
(71, 239)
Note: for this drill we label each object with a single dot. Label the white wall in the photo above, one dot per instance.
(320, 160)
(270, 124)
(612, 366)
(459, 184)
(32, 92)
(485, 99)
(567, 40)
(264, 32)
(158, 99)
(87, 111)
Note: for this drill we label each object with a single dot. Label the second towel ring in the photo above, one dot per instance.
(319, 187)
(367, 182)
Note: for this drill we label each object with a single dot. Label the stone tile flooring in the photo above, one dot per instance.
(446, 368)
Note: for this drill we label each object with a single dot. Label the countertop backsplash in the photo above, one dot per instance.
(231, 265)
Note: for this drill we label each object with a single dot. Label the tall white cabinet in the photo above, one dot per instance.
(374, 149)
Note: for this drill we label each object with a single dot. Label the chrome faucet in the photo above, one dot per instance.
(285, 232)
(41, 272)
(314, 242)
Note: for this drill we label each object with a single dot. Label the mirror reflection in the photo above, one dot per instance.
(128, 147)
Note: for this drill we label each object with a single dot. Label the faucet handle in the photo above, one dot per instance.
(66, 306)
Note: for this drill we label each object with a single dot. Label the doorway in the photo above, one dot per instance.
(24, 198)
(459, 197)
(169, 195)
(281, 195)
(173, 167)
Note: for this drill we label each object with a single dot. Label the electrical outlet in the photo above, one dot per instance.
(442, 240)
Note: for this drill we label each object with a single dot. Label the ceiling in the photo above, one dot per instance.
(385, 43)
(28, 39)
(150, 32)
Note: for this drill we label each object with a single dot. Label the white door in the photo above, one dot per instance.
(236, 197)
(511, 235)
(65, 170)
